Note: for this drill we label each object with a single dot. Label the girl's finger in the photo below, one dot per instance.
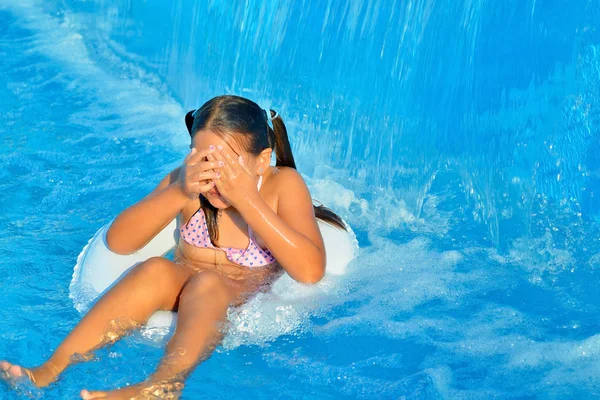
(207, 186)
(242, 163)
(202, 186)
(227, 155)
(205, 176)
(190, 154)
(200, 154)
(205, 166)
(236, 161)
(224, 168)
(230, 165)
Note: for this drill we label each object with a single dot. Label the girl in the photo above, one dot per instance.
(242, 223)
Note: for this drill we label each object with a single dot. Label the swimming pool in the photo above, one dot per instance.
(458, 139)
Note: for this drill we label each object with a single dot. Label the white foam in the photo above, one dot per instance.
(285, 309)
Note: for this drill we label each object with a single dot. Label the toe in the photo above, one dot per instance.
(4, 365)
(87, 395)
(15, 371)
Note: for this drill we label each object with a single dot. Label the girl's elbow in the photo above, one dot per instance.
(314, 274)
(116, 246)
(314, 278)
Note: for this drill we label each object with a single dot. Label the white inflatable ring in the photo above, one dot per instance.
(98, 268)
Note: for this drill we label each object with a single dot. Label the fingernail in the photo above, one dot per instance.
(219, 147)
(221, 163)
(218, 174)
(193, 150)
(241, 159)
(211, 147)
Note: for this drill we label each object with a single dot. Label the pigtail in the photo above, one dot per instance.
(280, 141)
(278, 138)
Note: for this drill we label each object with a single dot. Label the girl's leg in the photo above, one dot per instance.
(152, 285)
(202, 309)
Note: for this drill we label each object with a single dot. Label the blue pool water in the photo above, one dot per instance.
(459, 139)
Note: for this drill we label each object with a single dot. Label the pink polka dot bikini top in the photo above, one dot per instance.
(195, 233)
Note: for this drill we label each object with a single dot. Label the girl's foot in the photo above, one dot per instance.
(129, 392)
(146, 390)
(41, 376)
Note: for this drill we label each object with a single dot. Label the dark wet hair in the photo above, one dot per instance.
(246, 122)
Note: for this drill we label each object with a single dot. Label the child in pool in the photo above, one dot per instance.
(242, 223)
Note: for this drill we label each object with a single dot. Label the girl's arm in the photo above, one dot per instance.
(292, 234)
(138, 224)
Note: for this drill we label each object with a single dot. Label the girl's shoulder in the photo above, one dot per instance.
(287, 185)
(285, 178)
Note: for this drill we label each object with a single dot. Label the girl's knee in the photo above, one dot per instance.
(156, 269)
(207, 284)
